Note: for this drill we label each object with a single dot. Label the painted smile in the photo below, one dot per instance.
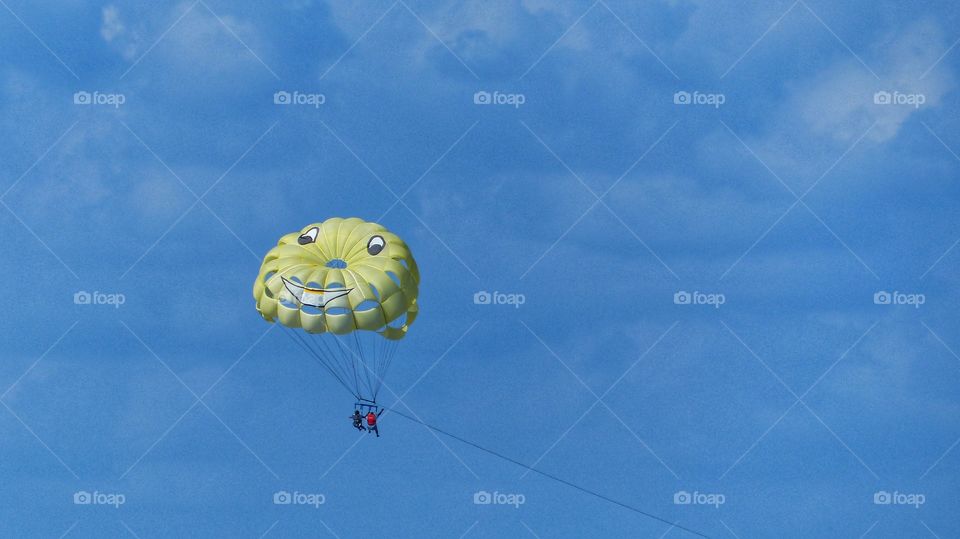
(314, 297)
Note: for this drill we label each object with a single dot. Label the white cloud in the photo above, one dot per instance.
(114, 31)
(893, 373)
(201, 38)
(193, 39)
(840, 101)
(112, 26)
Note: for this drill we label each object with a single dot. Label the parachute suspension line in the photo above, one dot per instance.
(303, 344)
(353, 362)
(375, 359)
(337, 358)
(358, 353)
(375, 352)
(378, 356)
(362, 358)
(356, 377)
(314, 344)
(343, 359)
(383, 360)
(382, 365)
(391, 353)
(328, 358)
(306, 348)
(318, 344)
(369, 370)
(387, 350)
(345, 356)
(373, 362)
(349, 356)
(550, 476)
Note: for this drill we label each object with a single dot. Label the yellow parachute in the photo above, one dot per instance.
(346, 291)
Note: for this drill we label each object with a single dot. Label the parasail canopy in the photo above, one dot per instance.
(346, 291)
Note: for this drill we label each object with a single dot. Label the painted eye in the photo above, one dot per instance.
(309, 236)
(375, 245)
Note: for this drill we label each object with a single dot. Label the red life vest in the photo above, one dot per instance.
(371, 419)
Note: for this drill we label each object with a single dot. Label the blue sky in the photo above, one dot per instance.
(796, 402)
